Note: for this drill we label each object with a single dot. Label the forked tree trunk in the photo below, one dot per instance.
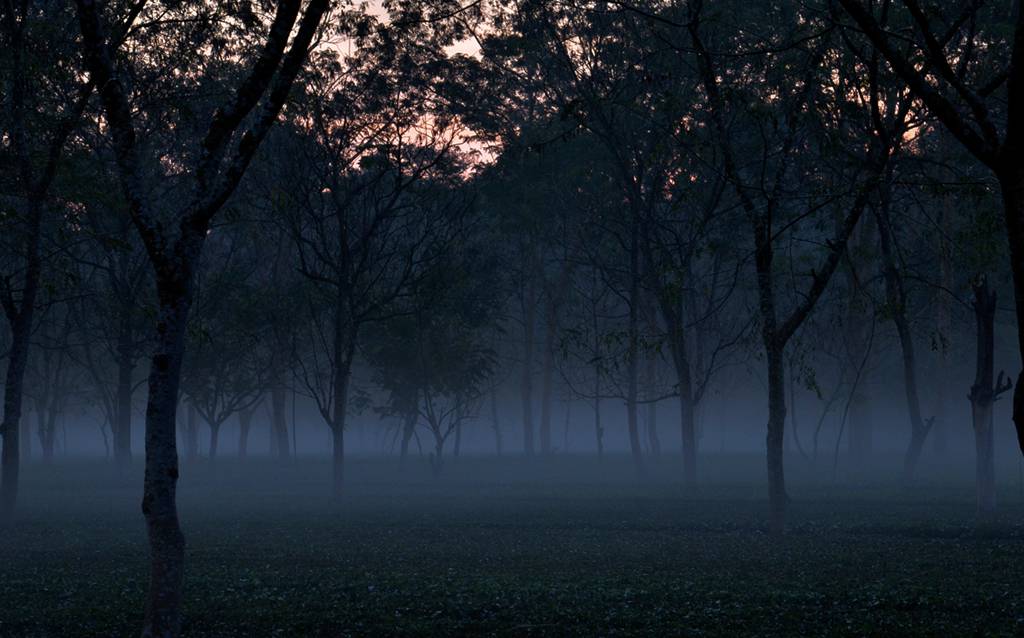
(214, 438)
(983, 394)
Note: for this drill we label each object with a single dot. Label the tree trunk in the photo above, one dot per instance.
(20, 322)
(896, 299)
(495, 422)
(278, 422)
(777, 497)
(1011, 181)
(408, 429)
(159, 505)
(983, 394)
(191, 433)
(341, 382)
(244, 424)
(214, 437)
(48, 430)
(436, 459)
(547, 374)
(943, 329)
(650, 379)
(633, 350)
(774, 347)
(857, 326)
(529, 310)
(25, 439)
(123, 419)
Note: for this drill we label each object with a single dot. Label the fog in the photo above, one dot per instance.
(511, 318)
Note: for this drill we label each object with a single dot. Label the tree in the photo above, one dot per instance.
(967, 67)
(174, 241)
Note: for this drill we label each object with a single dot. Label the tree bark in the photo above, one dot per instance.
(159, 500)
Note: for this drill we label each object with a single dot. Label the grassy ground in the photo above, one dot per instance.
(505, 548)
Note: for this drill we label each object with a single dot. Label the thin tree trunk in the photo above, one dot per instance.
(897, 302)
(20, 321)
(408, 429)
(650, 379)
(495, 422)
(943, 329)
(25, 439)
(244, 424)
(278, 422)
(191, 433)
(526, 388)
(857, 322)
(214, 438)
(341, 382)
(633, 349)
(777, 497)
(125, 369)
(983, 394)
(48, 430)
(547, 374)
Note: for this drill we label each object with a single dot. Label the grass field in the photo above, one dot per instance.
(502, 547)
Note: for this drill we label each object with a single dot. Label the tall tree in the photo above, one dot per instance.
(174, 240)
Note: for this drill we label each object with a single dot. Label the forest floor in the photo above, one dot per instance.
(505, 547)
